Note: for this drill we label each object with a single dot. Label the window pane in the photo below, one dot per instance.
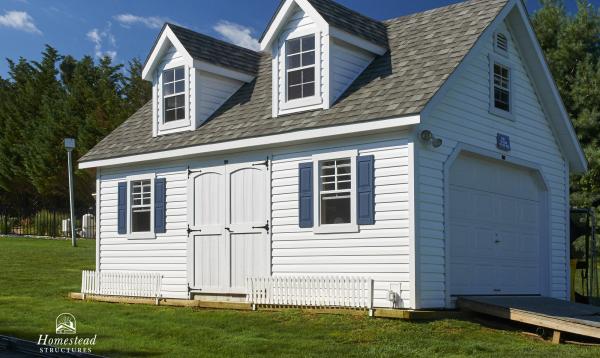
(335, 209)
(308, 90)
(180, 100)
(293, 46)
(170, 103)
(179, 73)
(169, 116)
(344, 185)
(181, 113)
(140, 220)
(168, 89)
(308, 43)
(294, 92)
(179, 87)
(308, 58)
(328, 186)
(293, 61)
(308, 75)
(501, 99)
(294, 77)
(168, 76)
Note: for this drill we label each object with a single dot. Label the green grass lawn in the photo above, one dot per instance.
(37, 274)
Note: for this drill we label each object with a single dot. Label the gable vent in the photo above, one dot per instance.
(501, 42)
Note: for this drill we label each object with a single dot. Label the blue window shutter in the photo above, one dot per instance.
(305, 195)
(160, 205)
(365, 190)
(122, 208)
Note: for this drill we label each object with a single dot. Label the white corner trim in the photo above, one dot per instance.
(413, 210)
(282, 15)
(159, 47)
(258, 142)
(225, 72)
(357, 41)
(97, 218)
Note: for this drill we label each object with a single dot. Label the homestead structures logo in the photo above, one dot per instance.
(68, 341)
(66, 324)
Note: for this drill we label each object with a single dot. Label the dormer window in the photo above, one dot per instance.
(174, 94)
(300, 67)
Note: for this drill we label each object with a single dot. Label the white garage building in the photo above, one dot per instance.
(429, 152)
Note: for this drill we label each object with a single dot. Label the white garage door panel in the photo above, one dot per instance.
(494, 228)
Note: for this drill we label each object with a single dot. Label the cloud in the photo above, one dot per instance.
(152, 22)
(237, 34)
(19, 20)
(99, 39)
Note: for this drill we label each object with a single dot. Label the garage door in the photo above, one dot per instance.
(494, 228)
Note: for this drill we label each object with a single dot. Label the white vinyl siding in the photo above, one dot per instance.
(211, 92)
(348, 62)
(165, 254)
(380, 251)
(463, 116)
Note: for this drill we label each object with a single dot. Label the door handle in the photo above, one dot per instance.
(228, 229)
(265, 226)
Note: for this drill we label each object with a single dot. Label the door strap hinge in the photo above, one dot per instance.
(265, 163)
(265, 226)
(189, 230)
(190, 172)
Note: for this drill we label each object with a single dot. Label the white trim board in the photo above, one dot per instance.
(260, 142)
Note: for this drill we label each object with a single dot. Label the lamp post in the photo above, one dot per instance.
(69, 146)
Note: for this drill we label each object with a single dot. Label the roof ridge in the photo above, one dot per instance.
(170, 24)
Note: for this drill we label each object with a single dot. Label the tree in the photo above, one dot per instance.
(571, 44)
(43, 102)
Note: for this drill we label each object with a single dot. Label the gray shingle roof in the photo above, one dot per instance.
(217, 52)
(425, 48)
(351, 21)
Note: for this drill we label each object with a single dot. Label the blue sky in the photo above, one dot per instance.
(126, 29)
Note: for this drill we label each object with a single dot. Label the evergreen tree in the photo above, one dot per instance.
(571, 44)
(43, 102)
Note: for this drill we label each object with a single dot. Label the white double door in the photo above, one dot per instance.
(228, 226)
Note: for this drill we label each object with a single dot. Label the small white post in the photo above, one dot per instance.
(371, 288)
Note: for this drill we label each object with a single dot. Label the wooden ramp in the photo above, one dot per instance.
(558, 315)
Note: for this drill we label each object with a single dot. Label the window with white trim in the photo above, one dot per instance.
(174, 97)
(300, 67)
(335, 192)
(502, 100)
(141, 205)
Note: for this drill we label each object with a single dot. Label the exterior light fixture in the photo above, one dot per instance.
(428, 137)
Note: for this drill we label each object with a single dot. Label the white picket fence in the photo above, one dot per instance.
(131, 284)
(311, 291)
